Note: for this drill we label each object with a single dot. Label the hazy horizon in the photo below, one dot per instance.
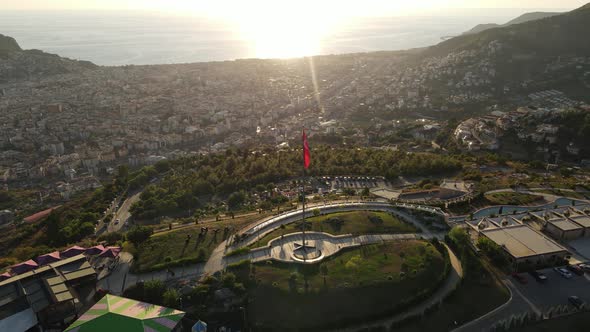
(152, 37)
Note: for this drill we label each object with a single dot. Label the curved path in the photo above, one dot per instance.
(280, 249)
(453, 280)
(218, 262)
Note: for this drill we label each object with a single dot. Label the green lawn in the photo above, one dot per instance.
(355, 222)
(570, 194)
(171, 249)
(362, 283)
(168, 248)
(513, 198)
(479, 293)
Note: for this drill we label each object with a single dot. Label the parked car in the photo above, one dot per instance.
(576, 301)
(585, 267)
(540, 277)
(519, 277)
(576, 269)
(564, 273)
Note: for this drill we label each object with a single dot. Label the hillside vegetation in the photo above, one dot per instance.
(560, 36)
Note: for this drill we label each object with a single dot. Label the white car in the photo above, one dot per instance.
(564, 273)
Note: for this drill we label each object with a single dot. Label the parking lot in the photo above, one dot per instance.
(554, 291)
(354, 182)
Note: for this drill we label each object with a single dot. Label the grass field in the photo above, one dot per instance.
(513, 198)
(478, 294)
(355, 222)
(169, 248)
(361, 283)
(570, 194)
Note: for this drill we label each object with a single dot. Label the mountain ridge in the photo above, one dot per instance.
(8, 44)
(16, 63)
(555, 35)
(527, 17)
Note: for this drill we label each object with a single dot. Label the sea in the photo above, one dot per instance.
(121, 38)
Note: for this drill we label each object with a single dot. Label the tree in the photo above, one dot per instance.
(235, 200)
(366, 192)
(493, 251)
(459, 237)
(170, 298)
(123, 171)
(324, 271)
(316, 212)
(162, 166)
(153, 291)
(139, 234)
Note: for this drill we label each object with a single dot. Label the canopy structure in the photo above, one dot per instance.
(48, 258)
(4, 276)
(199, 326)
(24, 267)
(95, 250)
(110, 252)
(73, 251)
(114, 313)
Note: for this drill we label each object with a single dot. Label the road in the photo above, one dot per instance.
(122, 214)
(533, 297)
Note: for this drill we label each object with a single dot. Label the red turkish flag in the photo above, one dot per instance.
(306, 156)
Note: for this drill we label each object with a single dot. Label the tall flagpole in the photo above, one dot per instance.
(303, 185)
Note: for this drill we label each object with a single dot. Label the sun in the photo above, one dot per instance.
(279, 30)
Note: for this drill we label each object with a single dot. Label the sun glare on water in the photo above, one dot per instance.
(279, 28)
(275, 32)
(288, 28)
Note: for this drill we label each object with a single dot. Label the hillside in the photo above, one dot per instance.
(8, 44)
(531, 17)
(16, 64)
(481, 27)
(556, 35)
(521, 19)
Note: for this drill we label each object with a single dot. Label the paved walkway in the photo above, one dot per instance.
(218, 262)
(515, 305)
(121, 278)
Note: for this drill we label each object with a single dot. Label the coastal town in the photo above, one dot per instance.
(444, 188)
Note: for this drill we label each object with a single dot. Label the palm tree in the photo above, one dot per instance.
(324, 271)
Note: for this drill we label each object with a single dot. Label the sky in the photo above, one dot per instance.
(231, 8)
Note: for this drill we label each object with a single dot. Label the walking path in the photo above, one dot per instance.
(121, 277)
(516, 304)
(453, 280)
(218, 262)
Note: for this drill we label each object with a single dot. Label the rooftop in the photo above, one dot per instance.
(114, 313)
(522, 241)
(582, 220)
(564, 224)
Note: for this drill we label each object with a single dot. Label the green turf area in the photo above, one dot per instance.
(171, 249)
(471, 300)
(557, 192)
(355, 222)
(361, 283)
(513, 198)
(168, 248)
(479, 293)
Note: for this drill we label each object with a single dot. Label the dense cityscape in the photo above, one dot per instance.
(448, 188)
